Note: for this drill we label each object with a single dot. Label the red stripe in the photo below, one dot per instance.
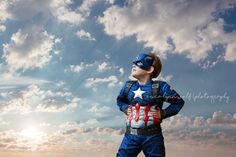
(137, 108)
(131, 115)
(146, 110)
(156, 120)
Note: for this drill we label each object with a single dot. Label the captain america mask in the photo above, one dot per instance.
(144, 61)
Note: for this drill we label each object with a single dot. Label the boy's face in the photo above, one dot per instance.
(137, 72)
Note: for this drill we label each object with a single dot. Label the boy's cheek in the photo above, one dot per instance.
(133, 73)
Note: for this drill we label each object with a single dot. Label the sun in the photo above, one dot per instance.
(32, 134)
(32, 138)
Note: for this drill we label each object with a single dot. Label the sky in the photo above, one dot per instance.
(63, 63)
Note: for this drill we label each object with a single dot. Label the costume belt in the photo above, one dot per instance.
(150, 130)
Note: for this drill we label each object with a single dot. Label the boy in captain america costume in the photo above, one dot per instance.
(142, 102)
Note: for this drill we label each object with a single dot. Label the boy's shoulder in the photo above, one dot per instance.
(162, 85)
(160, 82)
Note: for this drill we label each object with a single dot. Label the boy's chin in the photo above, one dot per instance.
(133, 77)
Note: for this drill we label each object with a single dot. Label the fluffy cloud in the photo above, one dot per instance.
(85, 7)
(2, 28)
(122, 71)
(212, 131)
(103, 67)
(94, 130)
(61, 10)
(10, 80)
(99, 111)
(4, 14)
(230, 52)
(2, 122)
(51, 105)
(98, 65)
(81, 66)
(82, 34)
(81, 136)
(76, 124)
(178, 130)
(111, 81)
(35, 99)
(221, 119)
(26, 9)
(190, 28)
(28, 49)
(218, 120)
(22, 140)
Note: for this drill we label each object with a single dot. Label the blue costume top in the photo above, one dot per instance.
(142, 95)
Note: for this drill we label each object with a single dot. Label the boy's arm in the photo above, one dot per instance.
(172, 97)
(122, 101)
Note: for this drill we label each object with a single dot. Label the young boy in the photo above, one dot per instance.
(142, 102)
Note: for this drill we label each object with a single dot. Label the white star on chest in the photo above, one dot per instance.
(138, 93)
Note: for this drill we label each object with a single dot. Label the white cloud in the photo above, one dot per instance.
(93, 82)
(97, 65)
(111, 1)
(218, 120)
(97, 109)
(14, 80)
(63, 13)
(73, 125)
(4, 14)
(82, 34)
(51, 105)
(81, 66)
(27, 9)
(34, 99)
(190, 25)
(211, 132)
(20, 140)
(20, 101)
(181, 132)
(90, 122)
(103, 67)
(85, 7)
(221, 119)
(230, 52)
(58, 40)
(28, 49)
(122, 71)
(2, 122)
(45, 124)
(2, 28)
(68, 124)
(107, 56)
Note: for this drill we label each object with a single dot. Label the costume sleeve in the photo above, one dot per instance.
(172, 97)
(122, 101)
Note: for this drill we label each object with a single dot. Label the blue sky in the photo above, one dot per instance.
(62, 65)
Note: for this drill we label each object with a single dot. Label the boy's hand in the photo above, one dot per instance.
(128, 111)
(156, 113)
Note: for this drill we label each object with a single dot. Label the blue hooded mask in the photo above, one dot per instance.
(144, 61)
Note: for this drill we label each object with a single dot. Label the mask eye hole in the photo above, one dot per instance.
(139, 63)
